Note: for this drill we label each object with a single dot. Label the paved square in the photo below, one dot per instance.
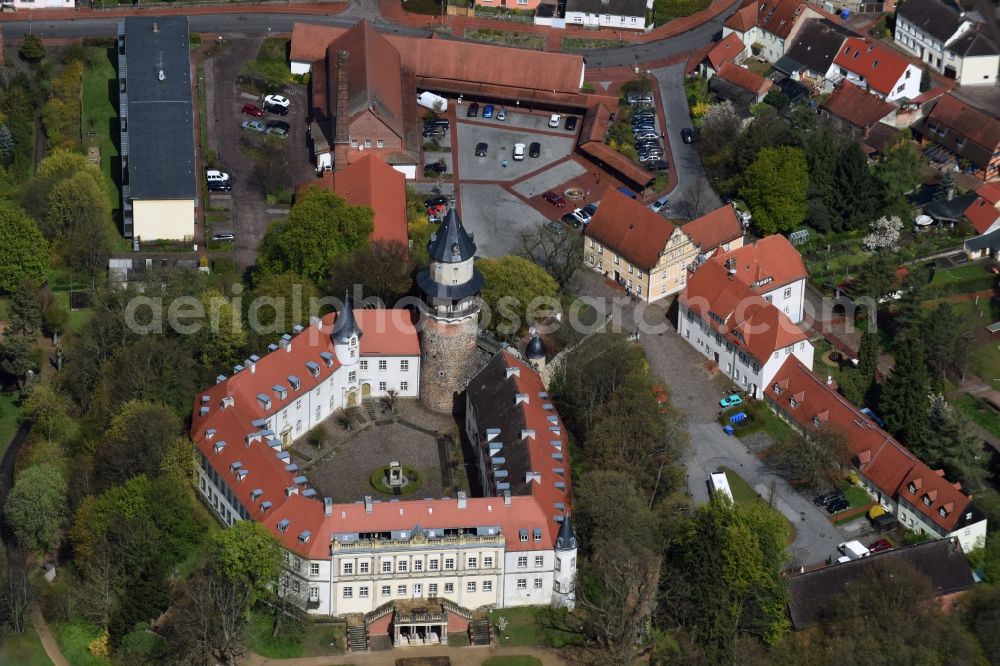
(497, 218)
(501, 139)
(550, 179)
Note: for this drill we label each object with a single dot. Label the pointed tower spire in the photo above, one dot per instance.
(567, 536)
(452, 244)
(346, 326)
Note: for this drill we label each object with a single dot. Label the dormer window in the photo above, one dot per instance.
(327, 358)
(304, 536)
(283, 525)
(793, 403)
(295, 382)
(912, 488)
(927, 500)
(944, 514)
(777, 389)
(280, 391)
(313, 368)
(265, 401)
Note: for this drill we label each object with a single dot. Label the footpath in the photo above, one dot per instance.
(459, 656)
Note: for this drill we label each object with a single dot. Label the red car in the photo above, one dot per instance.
(253, 110)
(554, 199)
(879, 546)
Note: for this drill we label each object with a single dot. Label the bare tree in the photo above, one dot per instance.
(695, 199)
(556, 251)
(207, 622)
(17, 591)
(389, 400)
(101, 586)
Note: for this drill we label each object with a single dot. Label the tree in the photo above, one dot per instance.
(49, 412)
(899, 171)
(720, 130)
(55, 316)
(78, 217)
(135, 443)
(858, 196)
(608, 508)
(35, 507)
(946, 185)
(320, 228)
(17, 358)
(905, 400)
(774, 187)
(515, 290)
(223, 340)
(925, 79)
(868, 352)
(24, 313)
(273, 165)
(6, 145)
(946, 345)
(248, 556)
(32, 49)
(383, 269)
(809, 462)
(26, 254)
(948, 443)
(560, 254)
(884, 234)
(17, 593)
(876, 277)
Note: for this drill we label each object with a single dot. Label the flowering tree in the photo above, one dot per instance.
(884, 233)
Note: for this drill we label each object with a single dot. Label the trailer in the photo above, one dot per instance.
(720, 485)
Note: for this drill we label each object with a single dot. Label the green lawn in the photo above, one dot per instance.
(743, 493)
(527, 628)
(979, 412)
(856, 496)
(513, 660)
(308, 640)
(10, 414)
(23, 650)
(100, 116)
(960, 274)
(74, 638)
(985, 362)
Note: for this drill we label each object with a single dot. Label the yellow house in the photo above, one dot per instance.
(649, 255)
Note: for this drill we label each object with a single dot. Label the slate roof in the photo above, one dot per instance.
(949, 211)
(812, 594)
(160, 127)
(613, 7)
(973, 43)
(989, 241)
(817, 44)
(938, 18)
(451, 244)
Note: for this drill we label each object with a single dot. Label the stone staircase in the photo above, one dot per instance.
(357, 637)
(479, 632)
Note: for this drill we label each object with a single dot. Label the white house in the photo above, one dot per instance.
(865, 63)
(624, 14)
(39, 4)
(774, 270)
(747, 337)
(768, 27)
(949, 40)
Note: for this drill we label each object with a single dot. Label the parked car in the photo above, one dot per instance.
(589, 210)
(435, 201)
(435, 168)
(280, 124)
(481, 149)
(488, 111)
(442, 123)
(556, 227)
(837, 506)
(639, 98)
(823, 500)
(253, 125)
(434, 133)
(879, 546)
(253, 110)
(472, 111)
(279, 129)
(555, 120)
(535, 149)
(223, 236)
(276, 110)
(502, 114)
(570, 123)
(277, 100)
(730, 400)
(661, 204)
(687, 135)
(580, 217)
(554, 199)
(570, 218)
(518, 151)
(218, 181)
(656, 164)
(646, 134)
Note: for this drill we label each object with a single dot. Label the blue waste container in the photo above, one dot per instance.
(728, 430)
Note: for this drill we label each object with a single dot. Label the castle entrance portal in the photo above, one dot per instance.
(366, 391)
(352, 399)
(286, 436)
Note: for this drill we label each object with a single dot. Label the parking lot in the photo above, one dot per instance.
(500, 137)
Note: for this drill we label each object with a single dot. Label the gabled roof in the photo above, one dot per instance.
(951, 121)
(881, 459)
(634, 8)
(743, 78)
(714, 229)
(764, 266)
(595, 124)
(990, 241)
(817, 44)
(880, 67)
(371, 182)
(982, 214)
(857, 106)
(744, 18)
(734, 310)
(973, 43)
(812, 594)
(940, 19)
(630, 229)
(775, 16)
(990, 192)
(626, 168)
(726, 50)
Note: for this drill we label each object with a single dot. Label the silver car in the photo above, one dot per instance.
(254, 125)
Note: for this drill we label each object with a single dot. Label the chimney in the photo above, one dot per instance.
(156, 28)
(506, 498)
(341, 136)
(368, 503)
(327, 506)
(829, 380)
(462, 499)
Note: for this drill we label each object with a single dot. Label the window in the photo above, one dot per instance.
(404, 386)
(522, 562)
(555, 586)
(362, 567)
(401, 590)
(522, 583)
(449, 563)
(387, 566)
(432, 564)
(381, 386)
(379, 143)
(449, 588)
(348, 592)
(382, 365)
(404, 366)
(298, 426)
(432, 589)
(630, 269)
(368, 143)
(296, 588)
(363, 591)
(470, 586)
(539, 560)
(616, 260)
(348, 568)
(386, 590)
(364, 365)
(352, 376)
(418, 589)
(558, 564)
(487, 586)
(354, 143)
(314, 568)
(418, 565)
(313, 593)
(317, 412)
(788, 292)
(473, 562)
(538, 583)
(488, 562)
(401, 566)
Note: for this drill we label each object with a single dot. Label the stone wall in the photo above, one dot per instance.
(449, 359)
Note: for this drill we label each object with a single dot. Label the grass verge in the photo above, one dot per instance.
(23, 650)
(74, 638)
(10, 414)
(743, 493)
(579, 43)
(100, 117)
(513, 660)
(526, 626)
(979, 412)
(306, 639)
(505, 38)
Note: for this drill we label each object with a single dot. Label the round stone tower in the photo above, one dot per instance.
(564, 590)
(449, 319)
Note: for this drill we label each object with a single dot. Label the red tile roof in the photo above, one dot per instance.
(882, 460)
(880, 67)
(769, 263)
(744, 18)
(750, 322)
(857, 106)
(371, 182)
(714, 229)
(374, 76)
(775, 16)
(990, 192)
(982, 214)
(726, 50)
(743, 78)
(626, 168)
(630, 229)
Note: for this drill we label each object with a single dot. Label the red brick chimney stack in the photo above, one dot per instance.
(341, 136)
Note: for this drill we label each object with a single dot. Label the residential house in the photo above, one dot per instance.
(371, 182)
(865, 63)
(647, 254)
(159, 185)
(984, 214)
(922, 499)
(621, 14)
(955, 132)
(773, 269)
(813, 595)
(817, 44)
(948, 39)
(729, 49)
(720, 230)
(733, 326)
(739, 85)
(855, 111)
(768, 27)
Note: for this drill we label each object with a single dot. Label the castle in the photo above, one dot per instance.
(514, 546)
